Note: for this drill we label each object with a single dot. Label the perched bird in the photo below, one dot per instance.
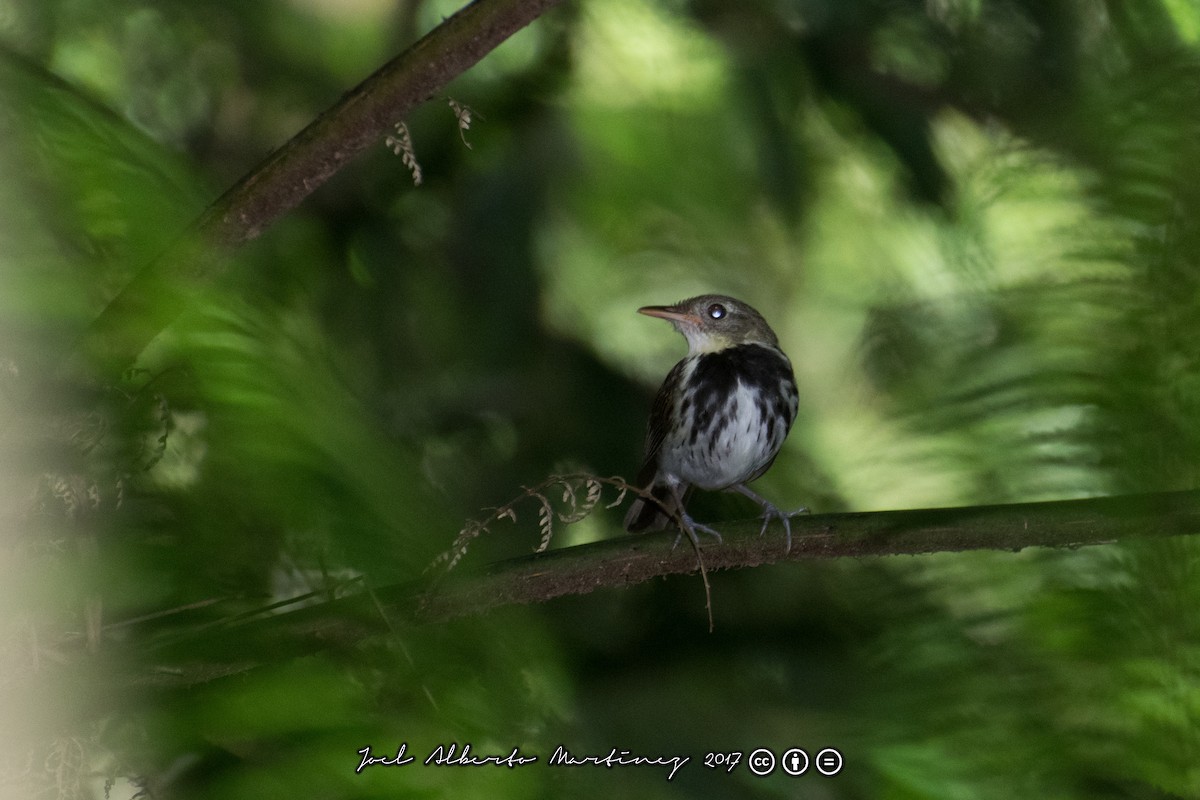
(720, 416)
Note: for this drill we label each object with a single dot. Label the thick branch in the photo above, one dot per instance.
(633, 559)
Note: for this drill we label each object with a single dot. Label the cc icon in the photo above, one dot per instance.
(761, 762)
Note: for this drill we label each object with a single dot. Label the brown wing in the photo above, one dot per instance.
(662, 419)
(644, 515)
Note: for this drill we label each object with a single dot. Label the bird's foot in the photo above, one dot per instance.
(690, 527)
(771, 511)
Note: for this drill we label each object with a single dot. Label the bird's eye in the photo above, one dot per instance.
(716, 311)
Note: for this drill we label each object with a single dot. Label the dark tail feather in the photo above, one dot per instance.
(645, 515)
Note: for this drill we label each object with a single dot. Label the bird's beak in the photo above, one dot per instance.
(670, 313)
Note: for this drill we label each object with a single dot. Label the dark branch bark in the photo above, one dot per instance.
(633, 559)
(277, 185)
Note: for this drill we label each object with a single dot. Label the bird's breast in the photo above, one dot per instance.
(732, 413)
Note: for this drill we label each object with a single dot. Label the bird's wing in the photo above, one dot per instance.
(662, 418)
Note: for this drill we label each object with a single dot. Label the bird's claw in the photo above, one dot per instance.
(771, 511)
(690, 527)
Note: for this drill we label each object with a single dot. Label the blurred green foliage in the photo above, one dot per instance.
(973, 225)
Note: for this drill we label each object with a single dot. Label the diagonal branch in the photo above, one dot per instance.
(295, 170)
(363, 116)
(634, 559)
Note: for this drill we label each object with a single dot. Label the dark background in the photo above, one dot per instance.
(972, 224)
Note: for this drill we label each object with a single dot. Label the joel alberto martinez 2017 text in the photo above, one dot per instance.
(451, 756)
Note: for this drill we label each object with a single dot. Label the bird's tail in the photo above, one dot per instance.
(646, 515)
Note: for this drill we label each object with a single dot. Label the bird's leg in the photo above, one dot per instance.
(770, 512)
(687, 524)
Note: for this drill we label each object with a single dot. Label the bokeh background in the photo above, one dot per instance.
(975, 225)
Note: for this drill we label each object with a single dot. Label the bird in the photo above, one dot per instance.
(720, 416)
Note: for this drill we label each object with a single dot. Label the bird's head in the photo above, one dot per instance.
(714, 322)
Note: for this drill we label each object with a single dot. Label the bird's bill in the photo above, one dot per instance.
(669, 312)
